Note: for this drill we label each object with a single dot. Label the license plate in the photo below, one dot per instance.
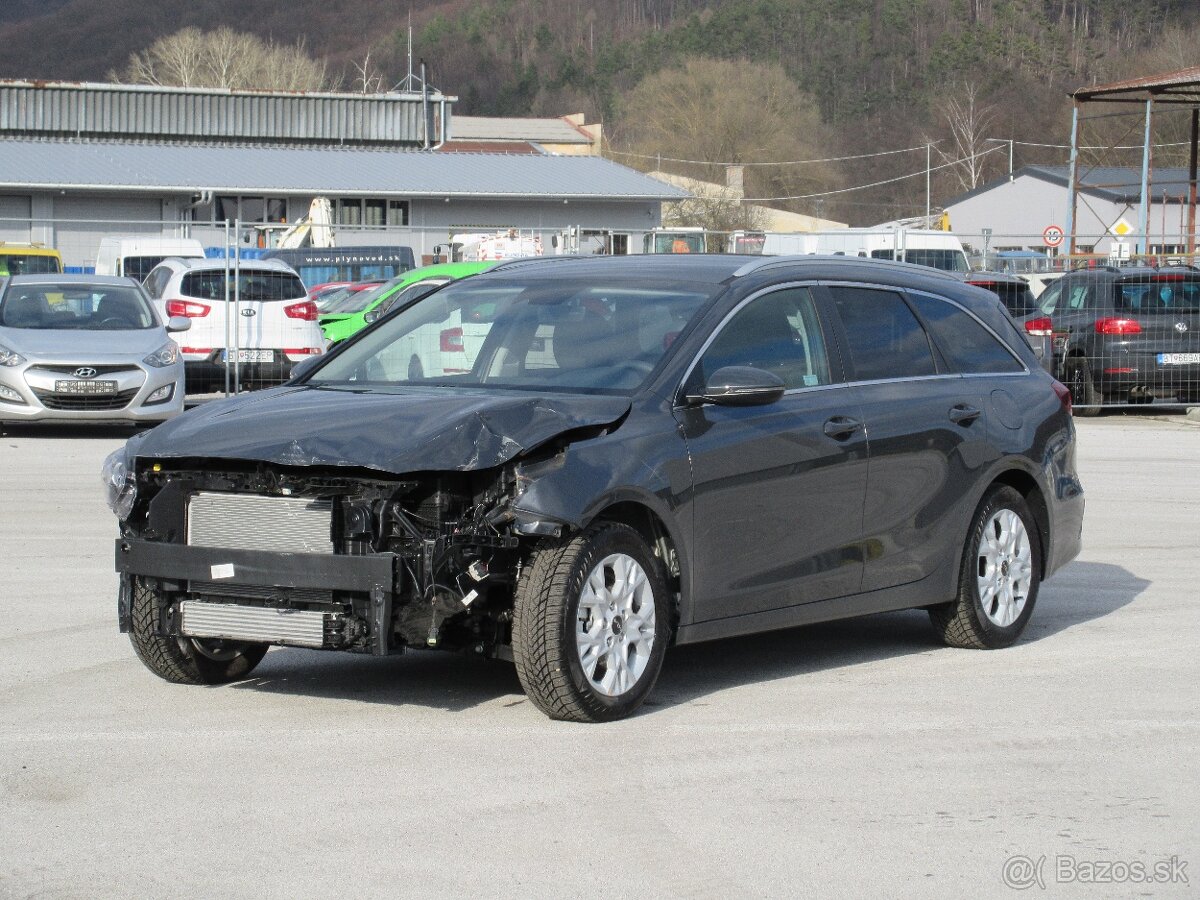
(253, 356)
(85, 387)
(1179, 359)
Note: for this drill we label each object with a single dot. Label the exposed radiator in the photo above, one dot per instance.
(299, 628)
(254, 522)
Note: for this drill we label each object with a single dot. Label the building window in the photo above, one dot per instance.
(397, 212)
(248, 209)
(370, 212)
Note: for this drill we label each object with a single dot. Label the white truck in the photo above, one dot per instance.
(926, 247)
(484, 246)
(135, 255)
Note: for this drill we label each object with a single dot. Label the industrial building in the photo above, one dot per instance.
(78, 161)
(1028, 210)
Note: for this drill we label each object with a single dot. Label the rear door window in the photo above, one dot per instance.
(884, 337)
(1159, 296)
(966, 344)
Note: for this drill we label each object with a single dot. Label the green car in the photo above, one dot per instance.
(356, 311)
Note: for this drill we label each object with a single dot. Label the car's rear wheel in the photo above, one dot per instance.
(1085, 399)
(998, 582)
(591, 624)
(186, 660)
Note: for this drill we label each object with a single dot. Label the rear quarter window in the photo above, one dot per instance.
(967, 346)
(1158, 296)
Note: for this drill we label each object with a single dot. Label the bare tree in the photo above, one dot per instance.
(367, 77)
(224, 59)
(967, 119)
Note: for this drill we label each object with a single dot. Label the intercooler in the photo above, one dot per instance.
(300, 628)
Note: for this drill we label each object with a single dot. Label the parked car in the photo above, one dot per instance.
(1126, 335)
(85, 348)
(646, 450)
(1039, 281)
(276, 322)
(1015, 294)
(354, 311)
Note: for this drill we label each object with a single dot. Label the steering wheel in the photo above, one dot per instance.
(113, 322)
(640, 366)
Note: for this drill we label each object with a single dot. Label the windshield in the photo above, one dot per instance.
(563, 335)
(412, 292)
(357, 299)
(75, 307)
(28, 264)
(1165, 294)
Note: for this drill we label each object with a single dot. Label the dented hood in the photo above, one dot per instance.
(400, 430)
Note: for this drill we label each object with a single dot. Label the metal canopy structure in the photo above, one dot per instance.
(1181, 88)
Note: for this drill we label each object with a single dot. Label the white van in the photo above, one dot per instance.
(135, 255)
(926, 247)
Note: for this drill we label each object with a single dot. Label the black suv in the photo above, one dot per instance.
(1128, 334)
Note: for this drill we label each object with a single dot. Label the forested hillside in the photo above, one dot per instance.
(863, 75)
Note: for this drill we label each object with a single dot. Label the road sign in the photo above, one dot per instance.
(1052, 236)
(1121, 228)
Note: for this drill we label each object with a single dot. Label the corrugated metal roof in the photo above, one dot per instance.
(64, 109)
(542, 131)
(1184, 82)
(181, 168)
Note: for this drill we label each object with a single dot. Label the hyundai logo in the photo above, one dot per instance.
(247, 312)
(85, 372)
(1181, 327)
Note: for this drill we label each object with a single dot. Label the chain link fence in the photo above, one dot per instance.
(1126, 329)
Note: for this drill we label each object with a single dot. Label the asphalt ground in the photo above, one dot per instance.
(858, 758)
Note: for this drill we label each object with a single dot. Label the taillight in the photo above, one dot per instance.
(187, 308)
(1173, 276)
(302, 351)
(452, 340)
(306, 311)
(1039, 327)
(1064, 394)
(1114, 325)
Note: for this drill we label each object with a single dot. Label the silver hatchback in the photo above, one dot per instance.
(85, 348)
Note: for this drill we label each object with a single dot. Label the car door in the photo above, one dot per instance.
(778, 489)
(926, 435)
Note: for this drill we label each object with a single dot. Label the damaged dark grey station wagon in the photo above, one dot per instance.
(573, 463)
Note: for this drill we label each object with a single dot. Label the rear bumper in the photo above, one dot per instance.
(177, 566)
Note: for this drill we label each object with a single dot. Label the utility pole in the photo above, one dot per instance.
(928, 169)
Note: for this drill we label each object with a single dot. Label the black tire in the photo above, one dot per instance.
(186, 660)
(1085, 399)
(963, 621)
(416, 372)
(547, 612)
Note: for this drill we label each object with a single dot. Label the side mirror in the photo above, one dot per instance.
(740, 386)
(302, 368)
(178, 323)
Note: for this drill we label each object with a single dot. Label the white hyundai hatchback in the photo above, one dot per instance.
(258, 319)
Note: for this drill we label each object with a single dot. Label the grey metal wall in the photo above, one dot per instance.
(127, 111)
(14, 219)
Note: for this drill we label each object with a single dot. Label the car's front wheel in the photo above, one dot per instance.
(184, 660)
(591, 624)
(998, 582)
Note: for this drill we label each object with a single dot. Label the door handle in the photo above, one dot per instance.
(962, 414)
(841, 427)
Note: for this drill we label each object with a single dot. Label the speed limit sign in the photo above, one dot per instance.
(1052, 236)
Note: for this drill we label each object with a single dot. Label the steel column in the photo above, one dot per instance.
(1143, 244)
(1072, 179)
(1191, 215)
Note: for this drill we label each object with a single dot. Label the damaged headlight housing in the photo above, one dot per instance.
(166, 355)
(120, 488)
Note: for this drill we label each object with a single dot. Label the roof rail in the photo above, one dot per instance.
(769, 261)
(533, 260)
